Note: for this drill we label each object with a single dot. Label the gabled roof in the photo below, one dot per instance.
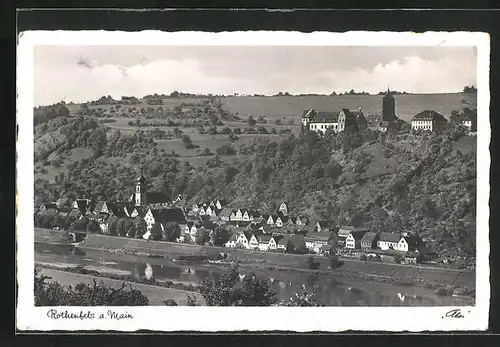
(326, 223)
(264, 238)
(226, 212)
(321, 236)
(369, 237)
(172, 215)
(412, 240)
(357, 234)
(389, 237)
(75, 213)
(326, 117)
(308, 113)
(156, 198)
(429, 115)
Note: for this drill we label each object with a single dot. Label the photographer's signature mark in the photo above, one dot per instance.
(456, 313)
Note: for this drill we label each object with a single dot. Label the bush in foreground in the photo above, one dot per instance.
(232, 289)
(83, 294)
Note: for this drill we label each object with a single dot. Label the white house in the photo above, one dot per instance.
(315, 240)
(388, 241)
(267, 243)
(428, 120)
(353, 240)
(409, 243)
(278, 222)
(283, 208)
(253, 243)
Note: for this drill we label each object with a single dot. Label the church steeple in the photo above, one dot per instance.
(140, 190)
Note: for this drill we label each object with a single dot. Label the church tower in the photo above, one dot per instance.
(388, 107)
(140, 191)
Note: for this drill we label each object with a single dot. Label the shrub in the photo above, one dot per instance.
(83, 294)
(230, 290)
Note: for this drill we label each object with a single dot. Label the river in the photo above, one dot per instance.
(329, 291)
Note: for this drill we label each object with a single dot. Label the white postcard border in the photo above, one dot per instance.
(332, 319)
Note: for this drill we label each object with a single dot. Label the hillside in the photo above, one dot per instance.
(391, 182)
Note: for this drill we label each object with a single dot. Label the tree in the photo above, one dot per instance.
(129, 228)
(155, 232)
(221, 236)
(303, 298)
(120, 227)
(93, 227)
(171, 232)
(80, 224)
(229, 290)
(202, 236)
(251, 121)
(140, 227)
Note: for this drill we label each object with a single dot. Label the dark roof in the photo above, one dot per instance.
(226, 212)
(296, 240)
(82, 204)
(412, 240)
(175, 215)
(326, 117)
(156, 198)
(384, 124)
(75, 213)
(326, 223)
(429, 115)
(357, 234)
(308, 113)
(389, 237)
(369, 237)
(322, 235)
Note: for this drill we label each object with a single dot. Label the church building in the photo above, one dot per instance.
(142, 198)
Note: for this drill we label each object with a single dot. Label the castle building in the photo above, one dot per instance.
(428, 120)
(336, 120)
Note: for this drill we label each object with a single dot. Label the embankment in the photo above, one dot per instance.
(269, 261)
(52, 236)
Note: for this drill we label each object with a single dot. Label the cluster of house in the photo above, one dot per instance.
(248, 229)
(322, 239)
(427, 120)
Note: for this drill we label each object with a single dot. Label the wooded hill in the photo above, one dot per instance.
(393, 182)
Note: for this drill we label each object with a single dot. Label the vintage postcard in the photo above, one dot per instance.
(257, 181)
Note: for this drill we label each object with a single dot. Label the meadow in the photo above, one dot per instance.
(407, 105)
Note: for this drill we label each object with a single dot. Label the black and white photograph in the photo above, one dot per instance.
(278, 170)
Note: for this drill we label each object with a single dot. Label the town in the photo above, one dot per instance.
(153, 216)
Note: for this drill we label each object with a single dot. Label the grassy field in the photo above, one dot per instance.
(292, 106)
(155, 294)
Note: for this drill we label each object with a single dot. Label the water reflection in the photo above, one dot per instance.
(329, 291)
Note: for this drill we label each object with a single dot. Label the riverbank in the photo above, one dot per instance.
(447, 280)
(156, 294)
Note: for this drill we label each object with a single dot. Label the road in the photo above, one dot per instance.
(155, 294)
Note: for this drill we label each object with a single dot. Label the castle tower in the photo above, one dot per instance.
(388, 107)
(140, 191)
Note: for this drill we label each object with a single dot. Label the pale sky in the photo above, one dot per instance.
(83, 73)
